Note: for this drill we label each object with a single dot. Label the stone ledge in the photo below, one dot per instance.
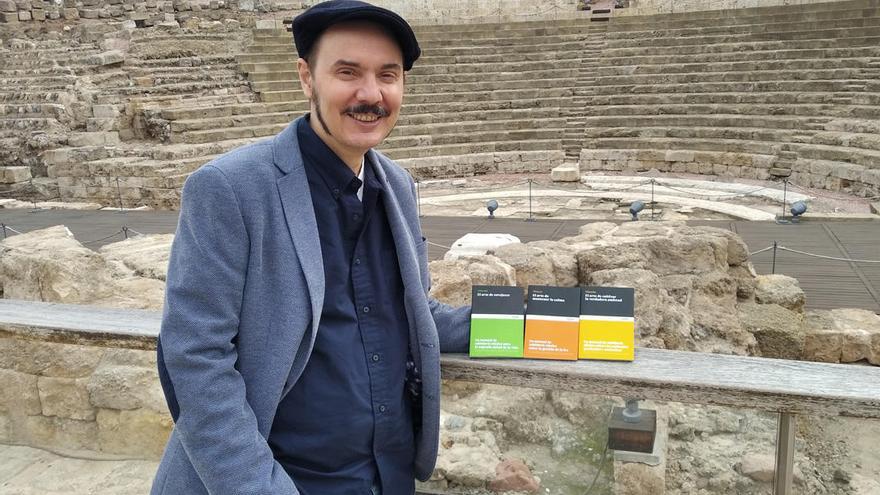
(81, 325)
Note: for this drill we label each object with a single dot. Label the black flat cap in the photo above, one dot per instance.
(308, 26)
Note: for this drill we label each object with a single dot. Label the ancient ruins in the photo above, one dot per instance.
(113, 103)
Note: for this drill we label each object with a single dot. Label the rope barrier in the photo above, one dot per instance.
(768, 248)
(850, 260)
(439, 245)
(814, 255)
(120, 231)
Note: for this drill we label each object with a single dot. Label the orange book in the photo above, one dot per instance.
(552, 323)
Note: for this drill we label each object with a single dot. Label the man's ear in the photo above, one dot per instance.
(305, 76)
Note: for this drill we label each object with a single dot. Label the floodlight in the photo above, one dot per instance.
(491, 205)
(635, 208)
(798, 208)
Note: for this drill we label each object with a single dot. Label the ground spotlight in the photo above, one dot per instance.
(491, 205)
(635, 208)
(798, 208)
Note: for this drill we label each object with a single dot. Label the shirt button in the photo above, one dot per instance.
(357, 261)
(366, 309)
(382, 408)
(375, 358)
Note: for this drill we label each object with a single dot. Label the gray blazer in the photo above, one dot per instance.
(244, 295)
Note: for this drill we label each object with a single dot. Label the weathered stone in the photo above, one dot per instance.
(9, 17)
(533, 266)
(759, 467)
(634, 478)
(8, 6)
(452, 280)
(54, 433)
(146, 255)
(11, 175)
(19, 393)
(48, 359)
(65, 398)
(780, 289)
(780, 332)
(141, 433)
(565, 173)
(70, 13)
(513, 475)
(38, 14)
(842, 335)
(106, 58)
(126, 387)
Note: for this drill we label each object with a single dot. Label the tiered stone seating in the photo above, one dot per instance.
(39, 88)
(482, 97)
(117, 160)
(752, 93)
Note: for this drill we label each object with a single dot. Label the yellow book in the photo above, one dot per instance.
(607, 324)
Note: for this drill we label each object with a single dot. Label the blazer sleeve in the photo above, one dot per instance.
(205, 283)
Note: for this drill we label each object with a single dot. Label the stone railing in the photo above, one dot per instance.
(83, 377)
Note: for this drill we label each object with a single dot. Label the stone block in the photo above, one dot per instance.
(102, 125)
(38, 14)
(824, 346)
(70, 13)
(11, 175)
(265, 24)
(54, 14)
(59, 433)
(8, 6)
(105, 111)
(141, 433)
(49, 359)
(679, 156)
(89, 13)
(19, 393)
(9, 17)
(5, 429)
(23, 4)
(65, 398)
(126, 387)
(24, 15)
(565, 173)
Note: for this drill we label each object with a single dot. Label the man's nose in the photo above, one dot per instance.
(369, 91)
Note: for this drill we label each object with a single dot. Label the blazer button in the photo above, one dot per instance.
(382, 408)
(366, 309)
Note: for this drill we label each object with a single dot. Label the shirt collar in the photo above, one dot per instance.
(322, 160)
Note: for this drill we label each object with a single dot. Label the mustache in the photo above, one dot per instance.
(377, 110)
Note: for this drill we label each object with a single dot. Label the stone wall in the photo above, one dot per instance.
(651, 7)
(471, 11)
(147, 11)
(73, 397)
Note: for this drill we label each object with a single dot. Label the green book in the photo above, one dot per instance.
(497, 321)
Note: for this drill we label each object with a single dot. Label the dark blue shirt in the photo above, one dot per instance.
(347, 424)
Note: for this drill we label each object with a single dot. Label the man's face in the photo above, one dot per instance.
(355, 84)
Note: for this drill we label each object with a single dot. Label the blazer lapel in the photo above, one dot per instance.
(296, 201)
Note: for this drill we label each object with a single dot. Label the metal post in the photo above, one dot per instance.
(119, 194)
(125, 231)
(530, 219)
(3, 229)
(784, 194)
(784, 475)
(773, 267)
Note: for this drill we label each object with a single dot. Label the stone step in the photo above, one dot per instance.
(191, 87)
(740, 46)
(721, 87)
(246, 120)
(691, 132)
(228, 133)
(61, 97)
(716, 17)
(856, 126)
(520, 24)
(182, 61)
(29, 124)
(636, 121)
(278, 75)
(756, 26)
(730, 77)
(815, 34)
(755, 56)
(53, 110)
(226, 69)
(472, 148)
(733, 97)
(227, 110)
(670, 143)
(412, 90)
(474, 137)
(859, 63)
(796, 110)
(867, 158)
(457, 126)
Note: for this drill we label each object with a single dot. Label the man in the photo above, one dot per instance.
(299, 351)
